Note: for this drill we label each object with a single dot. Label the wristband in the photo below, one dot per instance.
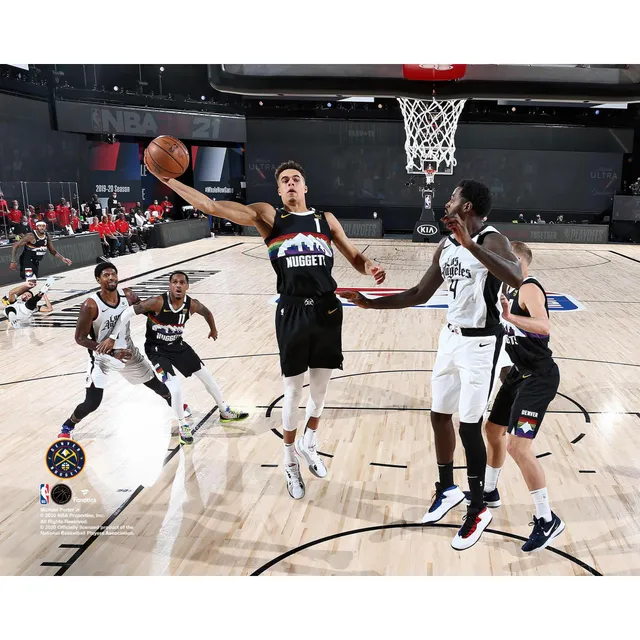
(113, 336)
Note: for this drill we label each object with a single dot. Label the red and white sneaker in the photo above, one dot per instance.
(187, 411)
(475, 522)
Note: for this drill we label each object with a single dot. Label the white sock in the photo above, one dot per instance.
(214, 390)
(541, 502)
(309, 437)
(491, 478)
(173, 384)
(289, 454)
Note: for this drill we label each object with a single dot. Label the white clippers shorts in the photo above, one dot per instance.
(138, 370)
(463, 373)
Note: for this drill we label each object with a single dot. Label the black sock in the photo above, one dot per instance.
(476, 487)
(446, 474)
(476, 453)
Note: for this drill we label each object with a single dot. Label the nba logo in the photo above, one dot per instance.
(427, 201)
(44, 494)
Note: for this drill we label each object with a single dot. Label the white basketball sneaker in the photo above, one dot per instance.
(295, 483)
(47, 285)
(443, 502)
(475, 522)
(311, 457)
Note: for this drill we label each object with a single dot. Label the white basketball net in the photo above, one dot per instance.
(430, 126)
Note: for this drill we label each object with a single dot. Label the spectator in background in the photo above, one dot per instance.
(33, 219)
(137, 209)
(124, 229)
(75, 223)
(110, 235)
(539, 220)
(166, 207)
(22, 227)
(113, 202)
(4, 207)
(634, 188)
(15, 215)
(521, 219)
(141, 228)
(95, 207)
(156, 208)
(63, 214)
(50, 217)
(96, 227)
(560, 219)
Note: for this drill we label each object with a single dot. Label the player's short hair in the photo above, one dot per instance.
(290, 164)
(478, 194)
(181, 273)
(97, 272)
(522, 250)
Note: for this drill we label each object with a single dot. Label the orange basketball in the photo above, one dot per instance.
(167, 156)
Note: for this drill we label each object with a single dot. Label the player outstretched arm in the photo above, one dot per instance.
(419, 294)
(260, 215)
(47, 307)
(495, 254)
(54, 252)
(532, 300)
(350, 252)
(200, 309)
(153, 305)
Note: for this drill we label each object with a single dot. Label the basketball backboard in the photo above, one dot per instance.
(573, 83)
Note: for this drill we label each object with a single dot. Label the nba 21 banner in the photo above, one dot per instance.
(90, 118)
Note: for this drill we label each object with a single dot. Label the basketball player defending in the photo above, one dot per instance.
(473, 261)
(309, 316)
(99, 314)
(36, 244)
(523, 399)
(21, 303)
(166, 317)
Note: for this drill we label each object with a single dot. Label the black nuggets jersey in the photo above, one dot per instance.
(300, 252)
(166, 327)
(34, 251)
(528, 351)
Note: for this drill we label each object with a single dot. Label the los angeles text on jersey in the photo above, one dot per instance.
(453, 269)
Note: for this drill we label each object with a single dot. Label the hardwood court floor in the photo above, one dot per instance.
(221, 507)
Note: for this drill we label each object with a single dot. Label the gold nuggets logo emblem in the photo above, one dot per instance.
(65, 458)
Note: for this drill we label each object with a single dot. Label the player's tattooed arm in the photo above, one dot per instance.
(88, 313)
(356, 258)
(419, 294)
(28, 237)
(531, 299)
(54, 252)
(153, 305)
(200, 309)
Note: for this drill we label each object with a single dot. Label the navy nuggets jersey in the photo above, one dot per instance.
(166, 327)
(528, 351)
(34, 251)
(300, 252)
(473, 291)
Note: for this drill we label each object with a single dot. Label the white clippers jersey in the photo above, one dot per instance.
(474, 293)
(18, 314)
(104, 324)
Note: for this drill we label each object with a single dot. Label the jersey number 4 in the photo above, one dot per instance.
(453, 287)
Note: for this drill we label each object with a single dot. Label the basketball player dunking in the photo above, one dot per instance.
(99, 314)
(36, 244)
(473, 261)
(166, 317)
(309, 316)
(523, 399)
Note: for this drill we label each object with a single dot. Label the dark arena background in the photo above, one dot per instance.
(559, 148)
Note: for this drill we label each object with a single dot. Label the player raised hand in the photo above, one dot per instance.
(506, 306)
(458, 228)
(213, 334)
(378, 273)
(355, 297)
